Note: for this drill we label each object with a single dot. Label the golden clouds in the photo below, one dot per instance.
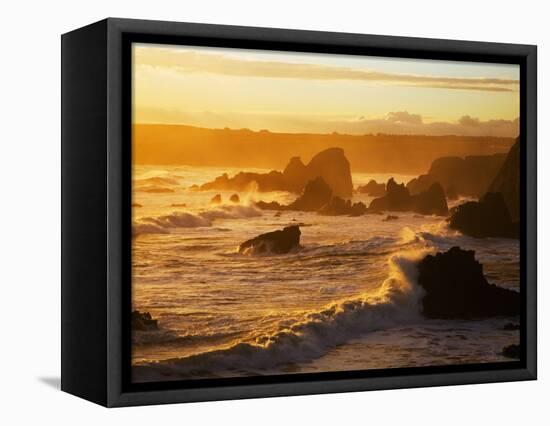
(190, 61)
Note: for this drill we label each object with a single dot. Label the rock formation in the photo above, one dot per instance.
(296, 175)
(451, 193)
(429, 202)
(487, 217)
(333, 166)
(420, 184)
(315, 195)
(271, 205)
(398, 198)
(276, 242)
(235, 198)
(244, 181)
(330, 164)
(511, 351)
(318, 197)
(507, 181)
(142, 321)
(455, 287)
(373, 188)
(339, 207)
(470, 176)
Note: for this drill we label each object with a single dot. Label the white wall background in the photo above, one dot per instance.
(30, 211)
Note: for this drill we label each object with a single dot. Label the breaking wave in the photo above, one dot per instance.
(163, 224)
(395, 302)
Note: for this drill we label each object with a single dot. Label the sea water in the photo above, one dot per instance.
(347, 300)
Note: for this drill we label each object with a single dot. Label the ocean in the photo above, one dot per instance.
(347, 300)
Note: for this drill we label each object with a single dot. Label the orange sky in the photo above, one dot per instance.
(319, 93)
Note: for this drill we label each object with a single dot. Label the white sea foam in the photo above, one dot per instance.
(230, 212)
(396, 301)
(184, 219)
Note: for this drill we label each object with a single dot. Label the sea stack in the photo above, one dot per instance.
(142, 321)
(455, 287)
(487, 217)
(316, 194)
(330, 164)
(398, 198)
(373, 188)
(507, 181)
(276, 242)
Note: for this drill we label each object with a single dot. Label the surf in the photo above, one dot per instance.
(162, 224)
(395, 302)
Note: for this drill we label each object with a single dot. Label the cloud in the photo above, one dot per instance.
(187, 61)
(466, 120)
(404, 117)
(414, 124)
(394, 122)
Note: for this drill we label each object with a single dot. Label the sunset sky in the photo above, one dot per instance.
(321, 93)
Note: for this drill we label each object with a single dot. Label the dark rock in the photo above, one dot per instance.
(507, 181)
(235, 198)
(487, 218)
(243, 181)
(455, 287)
(296, 175)
(511, 326)
(420, 184)
(276, 242)
(142, 321)
(333, 166)
(471, 175)
(338, 206)
(330, 164)
(316, 194)
(451, 193)
(511, 351)
(216, 199)
(430, 202)
(398, 198)
(358, 209)
(390, 217)
(272, 205)
(373, 189)
(136, 205)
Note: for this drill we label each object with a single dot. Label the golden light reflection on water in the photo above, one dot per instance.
(209, 298)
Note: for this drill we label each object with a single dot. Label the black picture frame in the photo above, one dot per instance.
(96, 211)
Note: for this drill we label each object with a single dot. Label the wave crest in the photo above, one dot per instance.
(162, 224)
(395, 302)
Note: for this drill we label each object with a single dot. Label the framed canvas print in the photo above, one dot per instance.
(251, 212)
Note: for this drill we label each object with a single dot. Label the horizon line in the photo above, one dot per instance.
(334, 133)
